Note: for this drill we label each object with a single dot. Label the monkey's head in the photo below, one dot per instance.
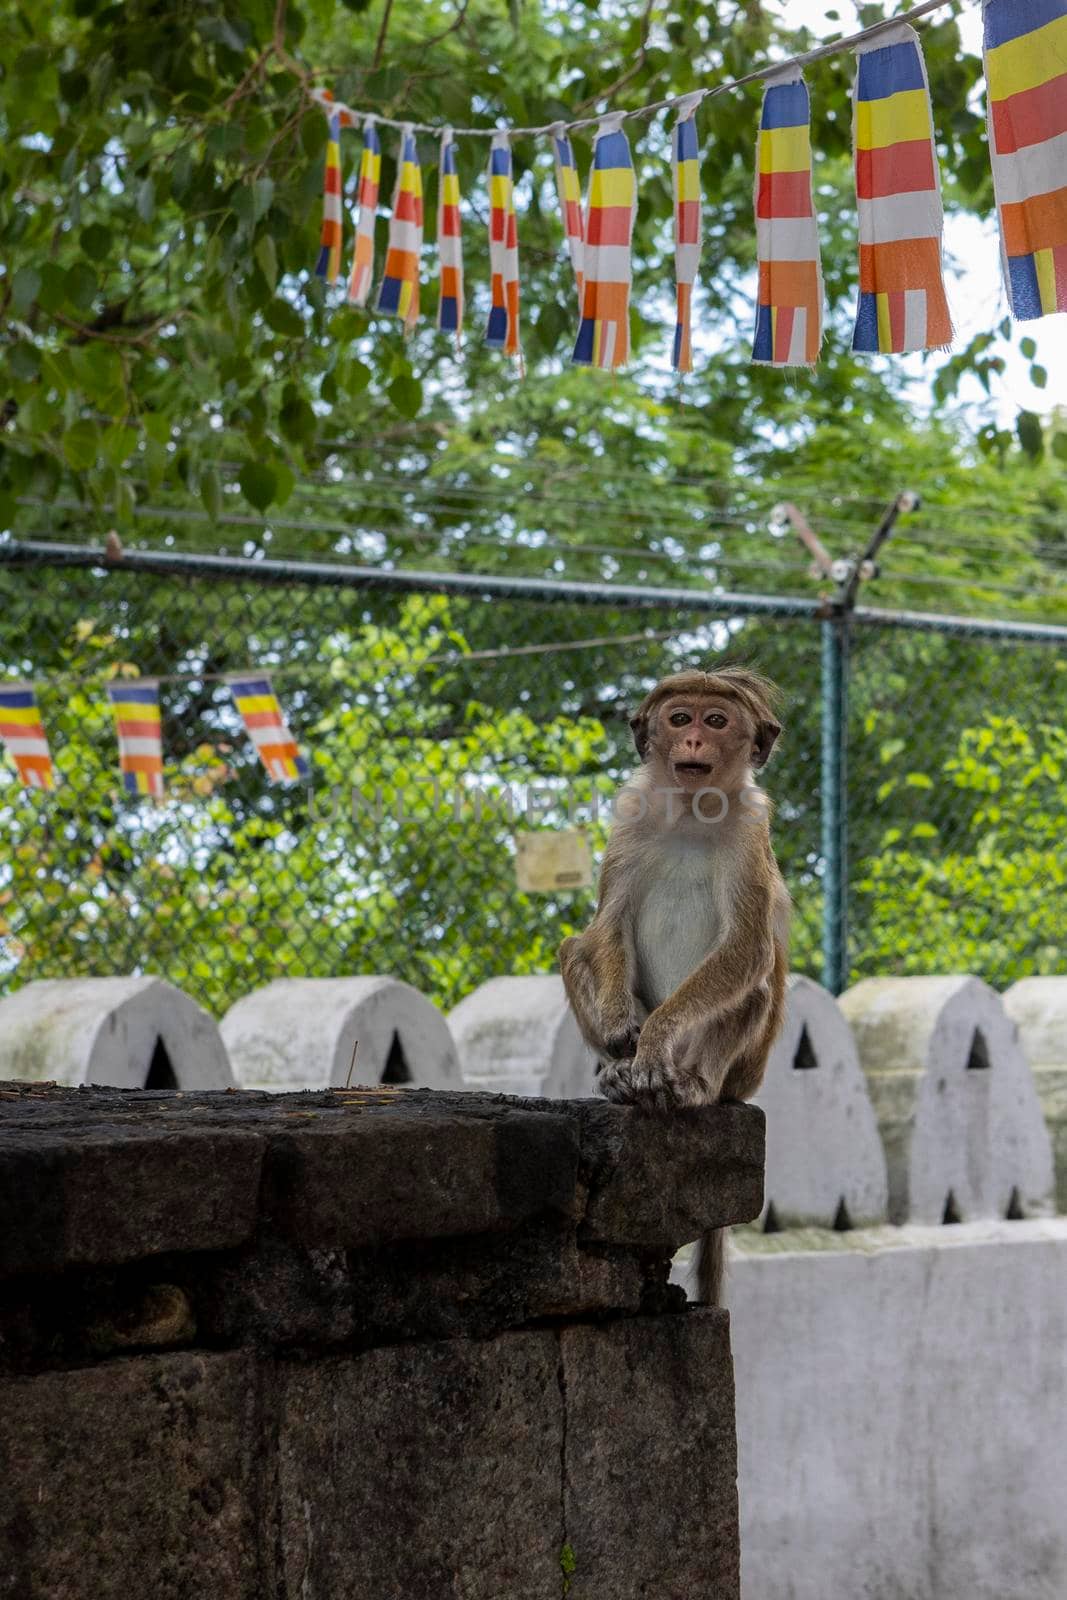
(708, 729)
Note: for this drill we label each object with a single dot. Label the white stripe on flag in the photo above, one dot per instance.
(687, 259)
(607, 263)
(900, 216)
(787, 239)
(798, 341)
(915, 319)
(138, 747)
(276, 733)
(1037, 169)
(26, 745)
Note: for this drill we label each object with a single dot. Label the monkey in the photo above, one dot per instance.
(678, 983)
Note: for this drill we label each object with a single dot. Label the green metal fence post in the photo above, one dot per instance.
(835, 641)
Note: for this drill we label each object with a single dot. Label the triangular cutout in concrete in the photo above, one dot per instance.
(396, 1067)
(978, 1060)
(842, 1220)
(952, 1210)
(1015, 1211)
(804, 1057)
(770, 1221)
(160, 1072)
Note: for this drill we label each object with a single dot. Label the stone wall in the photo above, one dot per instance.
(363, 1345)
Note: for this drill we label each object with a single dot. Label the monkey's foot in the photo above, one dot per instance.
(652, 1085)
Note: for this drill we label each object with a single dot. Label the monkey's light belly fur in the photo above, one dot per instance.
(678, 922)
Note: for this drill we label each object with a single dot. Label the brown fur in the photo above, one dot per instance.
(678, 984)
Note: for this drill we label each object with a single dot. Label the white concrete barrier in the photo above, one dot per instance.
(902, 1413)
(300, 1033)
(1038, 1008)
(825, 1162)
(519, 1036)
(129, 1033)
(955, 1100)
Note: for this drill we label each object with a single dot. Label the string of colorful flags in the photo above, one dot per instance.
(139, 732)
(902, 304)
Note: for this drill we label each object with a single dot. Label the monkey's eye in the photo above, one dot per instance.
(678, 719)
(715, 719)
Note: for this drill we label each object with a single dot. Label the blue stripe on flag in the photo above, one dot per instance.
(132, 694)
(866, 334)
(497, 329)
(1008, 19)
(247, 687)
(17, 699)
(1025, 290)
(612, 150)
(686, 135)
(786, 106)
(763, 344)
(892, 70)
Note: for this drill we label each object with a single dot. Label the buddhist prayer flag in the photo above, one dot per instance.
(790, 297)
(902, 304)
(687, 214)
(502, 331)
(370, 178)
(399, 293)
(449, 240)
(604, 332)
(570, 200)
(137, 723)
(267, 728)
(329, 262)
(22, 731)
(1026, 77)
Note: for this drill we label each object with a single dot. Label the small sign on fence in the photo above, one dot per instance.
(548, 860)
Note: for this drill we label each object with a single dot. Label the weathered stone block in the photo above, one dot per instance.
(415, 1170)
(128, 1032)
(650, 1460)
(519, 1036)
(134, 1478)
(118, 1191)
(301, 1033)
(715, 1161)
(424, 1471)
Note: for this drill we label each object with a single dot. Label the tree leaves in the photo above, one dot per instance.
(258, 484)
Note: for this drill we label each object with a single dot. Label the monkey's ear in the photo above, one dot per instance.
(639, 729)
(766, 733)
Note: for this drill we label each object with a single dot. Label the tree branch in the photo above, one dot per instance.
(382, 31)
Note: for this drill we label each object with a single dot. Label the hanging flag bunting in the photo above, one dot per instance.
(685, 166)
(902, 304)
(22, 731)
(399, 292)
(370, 178)
(266, 726)
(449, 240)
(137, 723)
(502, 331)
(328, 265)
(790, 305)
(569, 191)
(1026, 78)
(604, 333)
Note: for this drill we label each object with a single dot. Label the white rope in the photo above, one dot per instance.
(322, 97)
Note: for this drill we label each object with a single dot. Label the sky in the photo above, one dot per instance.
(972, 248)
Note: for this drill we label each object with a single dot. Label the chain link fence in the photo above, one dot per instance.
(440, 725)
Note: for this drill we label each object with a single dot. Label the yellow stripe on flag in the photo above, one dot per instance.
(248, 705)
(1027, 62)
(24, 716)
(897, 119)
(688, 180)
(784, 150)
(613, 186)
(1045, 267)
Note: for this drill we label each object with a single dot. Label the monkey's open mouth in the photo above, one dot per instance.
(696, 769)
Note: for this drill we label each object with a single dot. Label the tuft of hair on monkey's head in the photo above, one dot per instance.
(757, 694)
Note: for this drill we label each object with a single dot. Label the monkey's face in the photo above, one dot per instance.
(704, 741)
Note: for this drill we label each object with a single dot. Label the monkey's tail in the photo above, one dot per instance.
(711, 1267)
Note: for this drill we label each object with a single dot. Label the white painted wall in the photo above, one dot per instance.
(902, 1412)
